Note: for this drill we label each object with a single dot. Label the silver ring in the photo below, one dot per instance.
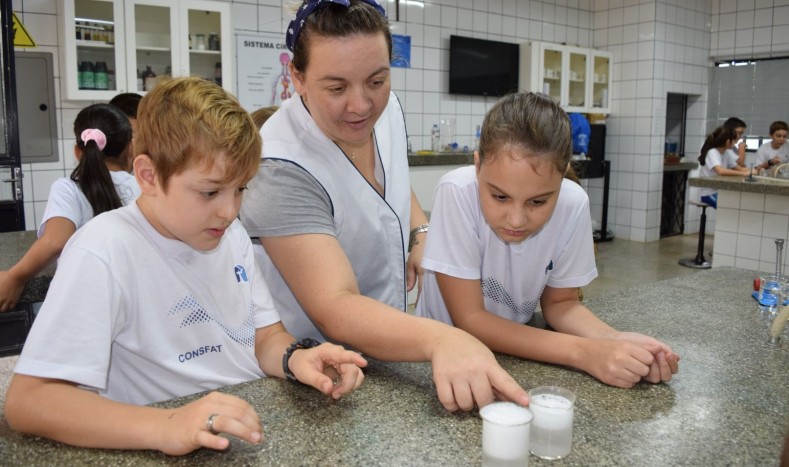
(210, 423)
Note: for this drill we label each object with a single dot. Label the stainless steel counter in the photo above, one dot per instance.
(729, 404)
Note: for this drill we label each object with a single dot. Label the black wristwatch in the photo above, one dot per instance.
(305, 343)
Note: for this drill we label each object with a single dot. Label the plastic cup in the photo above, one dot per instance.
(505, 434)
(769, 286)
(552, 428)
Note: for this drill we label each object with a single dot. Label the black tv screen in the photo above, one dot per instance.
(482, 67)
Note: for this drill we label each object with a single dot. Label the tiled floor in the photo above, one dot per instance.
(622, 263)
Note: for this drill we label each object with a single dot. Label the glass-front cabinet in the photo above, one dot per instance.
(550, 71)
(114, 46)
(577, 99)
(577, 78)
(601, 81)
(94, 48)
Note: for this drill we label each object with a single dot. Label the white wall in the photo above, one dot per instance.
(659, 47)
(743, 29)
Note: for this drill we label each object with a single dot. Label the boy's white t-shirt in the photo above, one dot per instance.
(145, 318)
(513, 275)
(766, 152)
(67, 200)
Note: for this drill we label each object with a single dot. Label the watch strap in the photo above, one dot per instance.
(303, 343)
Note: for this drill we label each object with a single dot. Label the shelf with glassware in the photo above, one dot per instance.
(132, 38)
(576, 77)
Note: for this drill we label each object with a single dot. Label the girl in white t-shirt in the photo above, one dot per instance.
(715, 158)
(511, 232)
(99, 183)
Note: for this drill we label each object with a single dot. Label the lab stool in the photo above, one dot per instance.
(699, 262)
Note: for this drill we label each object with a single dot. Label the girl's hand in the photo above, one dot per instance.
(186, 428)
(328, 368)
(10, 290)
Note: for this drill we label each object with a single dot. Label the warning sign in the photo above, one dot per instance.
(21, 37)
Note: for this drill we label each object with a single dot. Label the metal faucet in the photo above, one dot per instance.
(783, 309)
(781, 171)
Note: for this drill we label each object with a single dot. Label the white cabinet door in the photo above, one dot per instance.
(153, 41)
(94, 52)
(600, 81)
(211, 56)
(574, 79)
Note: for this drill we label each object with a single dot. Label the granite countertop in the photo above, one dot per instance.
(14, 245)
(680, 166)
(737, 183)
(424, 158)
(729, 404)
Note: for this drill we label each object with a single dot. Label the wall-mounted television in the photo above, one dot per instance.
(482, 67)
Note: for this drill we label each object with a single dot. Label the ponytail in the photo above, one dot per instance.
(102, 131)
(716, 139)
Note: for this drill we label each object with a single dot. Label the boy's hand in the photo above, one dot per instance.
(616, 362)
(666, 361)
(466, 374)
(328, 368)
(186, 428)
(10, 290)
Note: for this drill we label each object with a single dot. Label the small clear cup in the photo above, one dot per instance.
(505, 434)
(552, 429)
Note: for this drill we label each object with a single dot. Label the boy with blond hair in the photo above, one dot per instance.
(163, 298)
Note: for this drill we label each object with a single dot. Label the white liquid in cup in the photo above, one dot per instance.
(505, 434)
(552, 427)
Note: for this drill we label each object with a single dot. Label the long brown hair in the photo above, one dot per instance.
(716, 139)
(91, 174)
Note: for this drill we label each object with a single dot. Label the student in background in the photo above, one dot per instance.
(128, 103)
(163, 298)
(776, 151)
(511, 232)
(716, 158)
(99, 183)
(737, 150)
(262, 114)
(333, 207)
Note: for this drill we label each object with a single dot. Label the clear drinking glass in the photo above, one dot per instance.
(552, 428)
(505, 434)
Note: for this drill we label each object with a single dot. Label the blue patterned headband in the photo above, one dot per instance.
(309, 6)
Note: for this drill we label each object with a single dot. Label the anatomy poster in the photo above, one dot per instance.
(262, 70)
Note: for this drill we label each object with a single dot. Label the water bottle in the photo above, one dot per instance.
(435, 138)
(476, 138)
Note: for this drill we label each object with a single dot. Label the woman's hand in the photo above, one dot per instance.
(413, 267)
(328, 368)
(186, 428)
